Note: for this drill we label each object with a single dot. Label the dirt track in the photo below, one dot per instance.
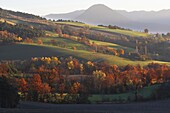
(162, 106)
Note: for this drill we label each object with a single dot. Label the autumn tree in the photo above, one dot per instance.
(61, 89)
(99, 77)
(23, 87)
(58, 30)
(35, 87)
(46, 89)
(74, 48)
(146, 30)
(6, 37)
(39, 41)
(121, 51)
(28, 40)
(74, 90)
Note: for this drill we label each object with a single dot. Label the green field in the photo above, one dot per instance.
(71, 43)
(73, 23)
(123, 32)
(80, 46)
(112, 45)
(146, 93)
(27, 51)
(68, 43)
(117, 31)
(63, 42)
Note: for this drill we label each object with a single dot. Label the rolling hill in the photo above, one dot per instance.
(26, 51)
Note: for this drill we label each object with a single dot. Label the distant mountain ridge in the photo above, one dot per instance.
(66, 16)
(155, 21)
(99, 13)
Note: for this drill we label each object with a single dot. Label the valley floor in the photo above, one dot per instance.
(162, 106)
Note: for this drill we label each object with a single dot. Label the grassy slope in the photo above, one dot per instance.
(65, 42)
(124, 32)
(118, 31)
(55, 37)
(73, 23)
(27, 51)
(112, 45)
(146, 93)
(70, 43)
(9, 22)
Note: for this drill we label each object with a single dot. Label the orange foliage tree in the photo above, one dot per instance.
(39, 41)
(36, 87)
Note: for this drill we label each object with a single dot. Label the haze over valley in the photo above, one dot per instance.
(155, 21)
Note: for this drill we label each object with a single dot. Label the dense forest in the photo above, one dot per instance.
(68, 80)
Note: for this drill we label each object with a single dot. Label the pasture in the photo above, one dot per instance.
(26, 51)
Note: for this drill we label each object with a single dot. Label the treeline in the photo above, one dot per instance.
(61, 20)
(21, 30)
(4, 13)
(68, 80)
(6, 37)
(42, 26)
(115, 27)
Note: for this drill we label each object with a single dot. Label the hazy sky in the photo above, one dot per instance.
(42, 7)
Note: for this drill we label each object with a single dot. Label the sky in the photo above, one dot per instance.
(43, 7)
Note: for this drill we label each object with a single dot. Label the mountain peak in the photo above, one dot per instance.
(102, 14)
(99, 7)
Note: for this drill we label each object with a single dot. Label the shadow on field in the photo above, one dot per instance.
(162, 106)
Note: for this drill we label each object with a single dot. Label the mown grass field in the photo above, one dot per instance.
(27, 51)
